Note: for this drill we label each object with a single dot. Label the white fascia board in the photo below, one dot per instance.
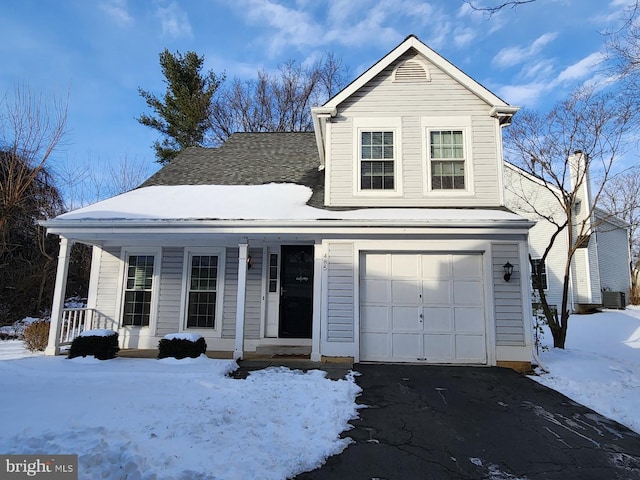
(103, 229)
(435, 58)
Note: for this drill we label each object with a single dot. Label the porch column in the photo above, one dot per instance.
(242, 288)
(58, 297)
(317, 302)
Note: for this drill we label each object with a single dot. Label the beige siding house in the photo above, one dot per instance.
(382, 236)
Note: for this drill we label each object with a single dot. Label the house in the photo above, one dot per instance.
(599, 273)
(382, 236)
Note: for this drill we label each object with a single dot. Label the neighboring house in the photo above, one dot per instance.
(382, 236)
(600, 272)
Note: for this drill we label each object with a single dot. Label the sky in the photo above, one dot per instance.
(98, 53)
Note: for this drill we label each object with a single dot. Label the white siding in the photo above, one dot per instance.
(170, 291)
(581, 281)
(508, 296)
(230, 294)
(521, 194)
(253, 298)
(340, 300)
(107, 289)
(594, 271)
(614, 267)
(442, 96)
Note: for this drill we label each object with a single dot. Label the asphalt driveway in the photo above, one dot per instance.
(428, 422)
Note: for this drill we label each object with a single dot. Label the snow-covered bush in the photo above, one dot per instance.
(16, 330)
(36, 336)
(102, 344)
(181, 345)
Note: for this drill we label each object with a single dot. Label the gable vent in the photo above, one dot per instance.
(411, 71)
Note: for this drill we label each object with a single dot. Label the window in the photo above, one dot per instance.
(447, 158)
(538, 267)
(273, 272)
(202, 291)
(377, 169)
(138, 289)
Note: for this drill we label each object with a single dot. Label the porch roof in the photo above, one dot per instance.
(282, 204)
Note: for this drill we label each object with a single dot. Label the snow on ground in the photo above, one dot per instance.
(600, 366)
(185, 419)
(172, 419)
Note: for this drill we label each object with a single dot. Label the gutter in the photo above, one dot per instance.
(272, 226)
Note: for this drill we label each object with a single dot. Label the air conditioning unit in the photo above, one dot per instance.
(613, 300)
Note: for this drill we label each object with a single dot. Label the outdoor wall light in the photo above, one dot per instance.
(508, 270)
(249, 262)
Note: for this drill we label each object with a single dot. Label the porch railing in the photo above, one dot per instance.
(77, 320)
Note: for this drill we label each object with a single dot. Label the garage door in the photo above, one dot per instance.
(422, 307)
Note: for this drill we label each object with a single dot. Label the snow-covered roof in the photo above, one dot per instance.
(273, 202)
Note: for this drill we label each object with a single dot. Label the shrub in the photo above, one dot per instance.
(36, 336)
(102, 344)
(180, 347)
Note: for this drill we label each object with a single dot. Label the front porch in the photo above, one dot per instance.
(249, 297)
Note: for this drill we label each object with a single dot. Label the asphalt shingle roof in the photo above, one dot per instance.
(249, 159)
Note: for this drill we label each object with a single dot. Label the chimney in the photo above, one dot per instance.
(581, 185)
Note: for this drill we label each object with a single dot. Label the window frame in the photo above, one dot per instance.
(126, 254)
(443, 124)
(189, 253)
(544, 276)
(391, 124)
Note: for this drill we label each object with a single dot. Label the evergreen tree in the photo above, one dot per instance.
(182, 116)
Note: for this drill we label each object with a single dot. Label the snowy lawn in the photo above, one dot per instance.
(171, 419)
(184, 419)
(600, 366)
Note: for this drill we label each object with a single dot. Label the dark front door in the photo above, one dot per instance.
(296, 291)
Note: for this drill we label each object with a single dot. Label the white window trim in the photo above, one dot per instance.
(389, 124)
(125, 253)
(430, 124)
(220, 252)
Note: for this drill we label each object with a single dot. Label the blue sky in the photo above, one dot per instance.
(101, 51)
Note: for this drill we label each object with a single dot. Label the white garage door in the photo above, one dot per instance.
(422, 307)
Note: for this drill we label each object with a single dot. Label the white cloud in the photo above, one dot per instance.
(292, 27)
(526, 94)
(542, 68)
(175, 21)
(118, 11)
(463, 37)
(510, 56)
(582, 68)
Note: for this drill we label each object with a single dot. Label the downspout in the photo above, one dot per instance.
(320, 115)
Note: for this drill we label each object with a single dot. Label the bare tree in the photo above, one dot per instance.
(492, 9)
(84, 184)
(623, 47)
(279, 102)
(543, 145)
(621, 197)
(30, 130)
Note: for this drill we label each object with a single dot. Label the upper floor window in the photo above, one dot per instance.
(377, 160)
(447, 157)
(538, 273)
